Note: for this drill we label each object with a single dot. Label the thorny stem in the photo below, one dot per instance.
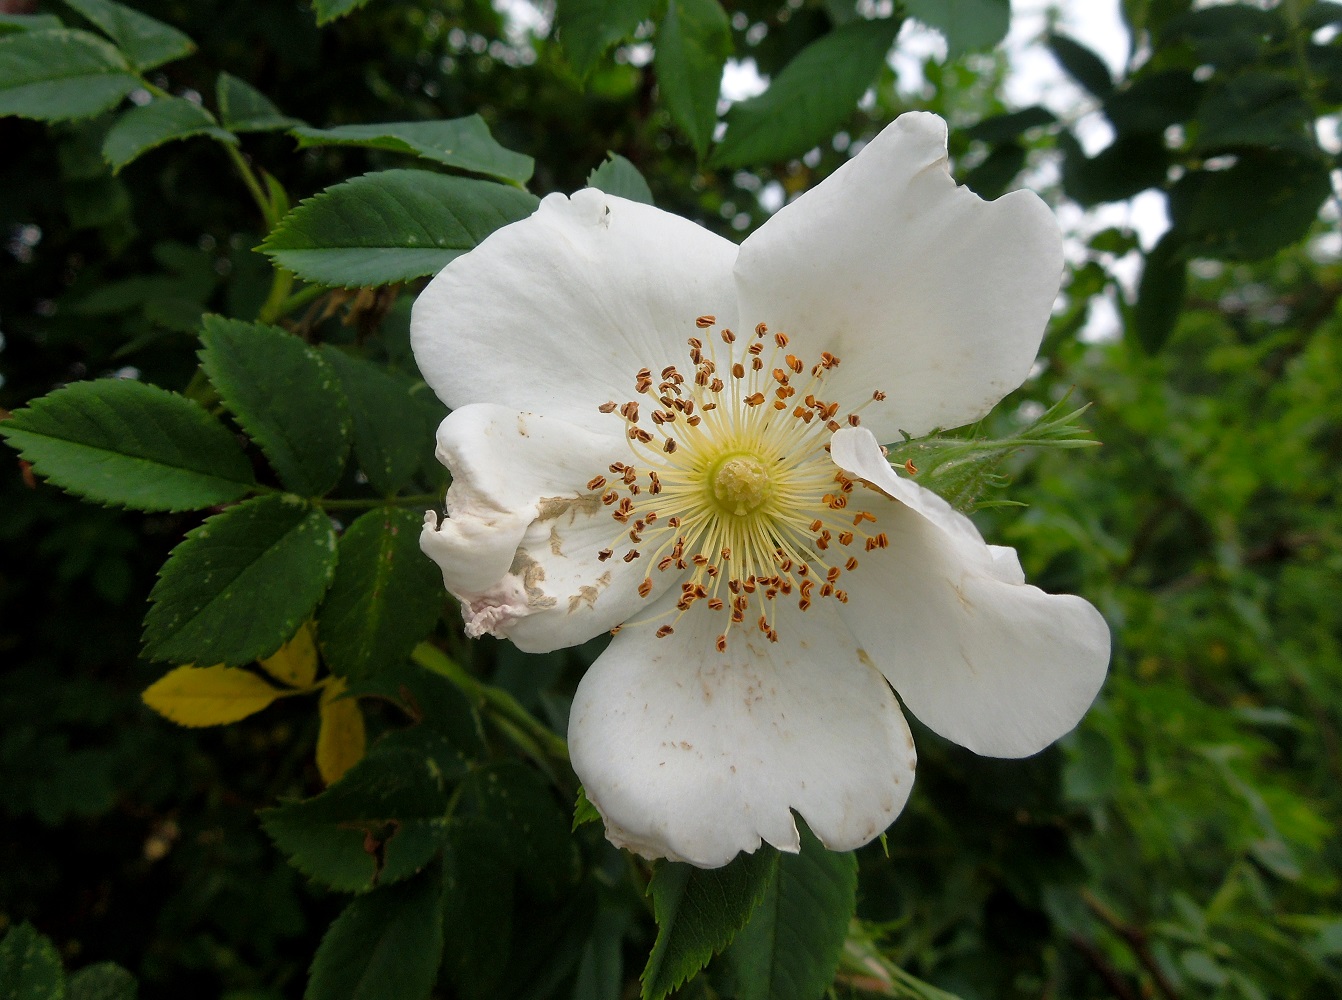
(535, 738)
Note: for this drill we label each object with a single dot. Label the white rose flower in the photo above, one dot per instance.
(659, 433)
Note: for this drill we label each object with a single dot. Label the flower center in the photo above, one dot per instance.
(732, 485)
(740, 484)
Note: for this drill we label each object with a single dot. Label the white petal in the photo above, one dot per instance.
(697, 755)
(519, 545)
(977, 654)
(556, 313)
(921, 288)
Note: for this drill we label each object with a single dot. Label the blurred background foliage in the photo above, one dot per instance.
(1181, 843)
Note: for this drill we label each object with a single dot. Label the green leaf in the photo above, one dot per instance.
(1264, 202)
(1228, 36)
(968, 25)
(391, 226)
(478, 884)
(240, 584)
(243, 108)
(381, 823)
(587, 28)
(61, 74)
(463, 143)
(809, 99)
(386, 596)
(1255, 109)
(619, 177)
(1154, 102)
(693, 43)
(165, 119)
(991, 177)
(1000, 128)
(103, 981)
(789, 948)
(515, 807)
(1127, 166)
(146, 42)
(330, 10)
(385, 946)
(1081, 64)
(391, 437)
(28, 22)
(284, 396)
(698, 913)
(1160, 294)
(127, 444)
(30, 966)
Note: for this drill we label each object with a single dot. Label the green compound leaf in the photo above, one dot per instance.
(243, 108)
(968, 25)
(57, 75)
(1000, 128)
(240, 584)
(1255, 109)
(463, 143)
(381, 823)
(809, 99)
(28, 22)
(146, 42)
(693, 43)
(478, 890)
(391, 434)
(619, 177)
(166, 119)
(103, 981)
(1160, 295)
(386, 596)
(587, 28)
(128, 444)
(30, 966)
(384, 946)
(391, 226)
(329, 10)
(284, 396)
(790, 947)
(698, 913)
(512, 805)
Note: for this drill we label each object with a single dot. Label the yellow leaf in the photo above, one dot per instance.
(341, 739)
(295, 663)
(208, 696)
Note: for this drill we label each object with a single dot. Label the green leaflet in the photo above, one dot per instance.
(128, 444)
(390, 226)
(240, 584)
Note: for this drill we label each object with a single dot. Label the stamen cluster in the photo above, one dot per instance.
(732, 483)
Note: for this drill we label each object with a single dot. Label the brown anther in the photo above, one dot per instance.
(780, 339)
(738, 370)
(645, 588)
(616, 630)
(657, 417)
(727, 336)
(596, 482)
(696, 355)
(760, 329)
(835, 501)
(863, 515)
(794, 363)
(680, 564)
(604, 554)
(756, 364)
(910, 468)
(609, 497)
(806, 587)
(845, 537)
(631, 555)
(754, 399)
(655, 486)
(722, 644)
(822, 543)
(635, 489)
(878, 395)
(830, 410)
(629, 475)
(668, 371)
(639, 434)
(803, 603)
(851, 564)
(673, 522)
(669, 445)
(871, 544)
(695, 421)
(780, 376)
(828, 360)
(717, 385)
(617, 467)
(726, 553)
(882, 541)
(704, 322)
(748, 585)
(854, 420)
(734, 586)
(701, 377)
(763, 624)
(841, 596)
(800, 414)
(756, 349)
(817, 524)
(780, 405)
(826, 590)
(695, 342)
(712, 571)
(608, 407)
(832, 573)
(634, 536)
(664, 631)
(665, 564)
(700, 560)
(738, 616)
